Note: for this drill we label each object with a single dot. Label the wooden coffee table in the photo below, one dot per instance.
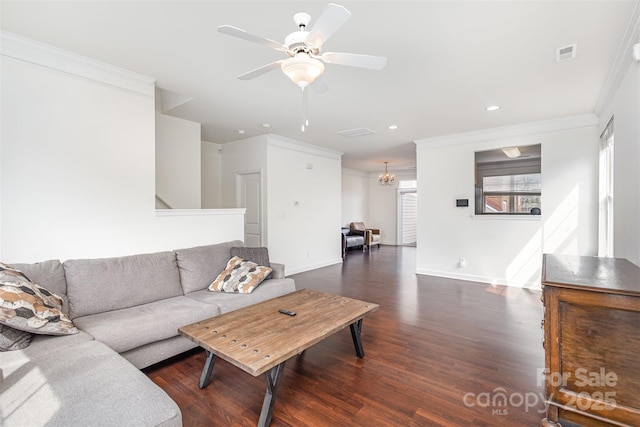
(259, 339)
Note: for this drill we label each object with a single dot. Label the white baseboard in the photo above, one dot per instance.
(290, 271)
(482, 279)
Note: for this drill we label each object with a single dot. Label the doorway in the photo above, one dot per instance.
(249, 196)
(407, 217)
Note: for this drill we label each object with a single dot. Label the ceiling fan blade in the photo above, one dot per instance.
(242, 34)
(333, 17)
(355, 60)
(260, 71)
(319, 85)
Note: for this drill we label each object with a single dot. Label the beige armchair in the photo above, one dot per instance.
(372, 236)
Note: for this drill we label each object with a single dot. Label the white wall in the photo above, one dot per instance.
(178, 177)
(307, 235)
(302, 237)
(624, 106)
(78, 153)
(211, 168)
(498, 249)
(355, 196)
(383, 205)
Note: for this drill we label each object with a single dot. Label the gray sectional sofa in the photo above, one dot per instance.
(127, 311)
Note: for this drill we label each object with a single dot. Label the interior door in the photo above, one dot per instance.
(249, 196)
(408, 218)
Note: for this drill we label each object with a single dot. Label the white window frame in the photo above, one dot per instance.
(606, 193)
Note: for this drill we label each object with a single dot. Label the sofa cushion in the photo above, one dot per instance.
(258, 255)
(86, 384)
(152, 353)
(198, 266)
(358, 226)
(10, 361)
(240, 276)
(125, 329)
(353, 241)
(232, 301)
(31, 308)
(107, 284)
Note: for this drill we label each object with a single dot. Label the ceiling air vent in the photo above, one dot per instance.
(353, 133)
(566, 53)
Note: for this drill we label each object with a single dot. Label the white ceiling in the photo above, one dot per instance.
(447, 61)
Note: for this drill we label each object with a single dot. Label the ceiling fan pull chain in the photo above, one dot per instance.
(305, 108)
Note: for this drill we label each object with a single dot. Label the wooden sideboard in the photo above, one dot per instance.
(591, 340)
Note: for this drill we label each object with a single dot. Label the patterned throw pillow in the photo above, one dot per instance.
(240, 276)
(258, 255)
(11, 274)
(13, 339)
(28, 307)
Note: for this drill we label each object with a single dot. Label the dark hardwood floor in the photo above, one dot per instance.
(439, 352)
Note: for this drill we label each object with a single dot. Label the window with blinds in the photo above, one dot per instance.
(605, 220)
(508, 186)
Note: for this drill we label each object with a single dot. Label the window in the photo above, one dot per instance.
(511, 193)
(412, 183)
(505, 185)
(605, 221)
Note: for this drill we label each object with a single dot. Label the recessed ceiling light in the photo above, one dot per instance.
(266, 126)
(392, 127)
(241, 131)
(512, 152)
(493, 108)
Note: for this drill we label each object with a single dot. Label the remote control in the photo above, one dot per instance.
(287, 312)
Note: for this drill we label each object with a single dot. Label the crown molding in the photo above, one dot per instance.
(404, 172)
(294, 145)
(623, 61)
(27, 50)
(565, 123)
(399, 173)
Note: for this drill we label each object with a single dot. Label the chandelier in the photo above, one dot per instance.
(386, 179)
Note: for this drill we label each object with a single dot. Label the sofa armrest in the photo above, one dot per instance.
(278, 270)
(374, 230)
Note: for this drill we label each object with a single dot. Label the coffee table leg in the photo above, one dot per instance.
(273, 377)
(205, 377)
(356, 328)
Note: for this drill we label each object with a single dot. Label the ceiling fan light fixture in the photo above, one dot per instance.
(302, 69)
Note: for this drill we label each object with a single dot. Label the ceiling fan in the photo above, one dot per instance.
(305, 62)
